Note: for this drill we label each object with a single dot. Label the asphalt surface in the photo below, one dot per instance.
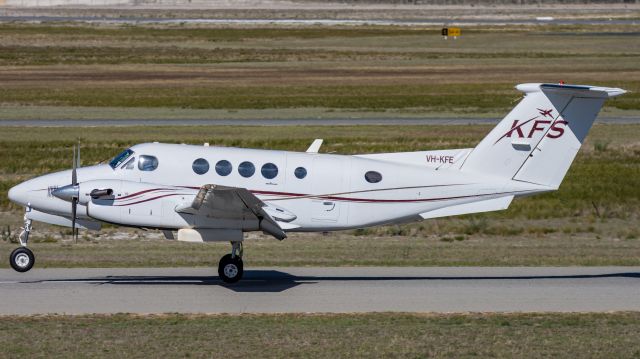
(379, 22)
(247, 122)
(277, 122)
(352, 289)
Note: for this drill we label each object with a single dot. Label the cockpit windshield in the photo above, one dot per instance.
(119, 159)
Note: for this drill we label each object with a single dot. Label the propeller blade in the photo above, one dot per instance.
(74, 201)
(78, 164)
(74, 198)
(74, 175)
(74, 208)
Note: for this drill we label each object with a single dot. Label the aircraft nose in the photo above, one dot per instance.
(18, 194)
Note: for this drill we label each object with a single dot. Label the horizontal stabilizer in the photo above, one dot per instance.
(576, 90)
(495, 204)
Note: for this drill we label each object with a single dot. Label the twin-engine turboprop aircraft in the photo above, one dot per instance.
(203, 194)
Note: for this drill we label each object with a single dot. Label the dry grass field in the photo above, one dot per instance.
(392, 247)
(610, 335)
(397, 70)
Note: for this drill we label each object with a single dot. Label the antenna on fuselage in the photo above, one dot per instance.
(315, 146)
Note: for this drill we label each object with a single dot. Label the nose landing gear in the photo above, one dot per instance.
(22, 258)
(230, 268)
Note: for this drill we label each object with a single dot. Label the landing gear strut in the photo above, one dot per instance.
(22, 258)
(230, 268)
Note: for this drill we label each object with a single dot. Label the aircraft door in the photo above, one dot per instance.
(328, 177)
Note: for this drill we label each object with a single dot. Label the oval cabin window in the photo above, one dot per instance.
(373, 177)
(269, 170)
(246, 169)
(300, 172)
(223, 168)
(200, 166)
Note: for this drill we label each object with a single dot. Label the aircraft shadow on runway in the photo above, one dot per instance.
(278, 281)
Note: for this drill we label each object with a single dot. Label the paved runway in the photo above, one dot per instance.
(354, 289)
(327, 22)
(258, 122)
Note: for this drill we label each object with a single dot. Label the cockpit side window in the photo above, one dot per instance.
(147, 163)
(119, 159)
(129, 165)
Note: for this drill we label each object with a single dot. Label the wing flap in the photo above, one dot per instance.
(214, 201)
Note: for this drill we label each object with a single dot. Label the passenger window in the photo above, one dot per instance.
(147, 163)
(269, 170)
(300, 172)
(246, 169)
(223, 168)
(373, 177)
(200, 166)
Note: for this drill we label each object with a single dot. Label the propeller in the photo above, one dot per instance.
(71, 192)
(74, 183)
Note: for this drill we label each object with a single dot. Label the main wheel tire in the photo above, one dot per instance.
(230, 269)
(22, 259)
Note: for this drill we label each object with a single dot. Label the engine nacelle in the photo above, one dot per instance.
(141, 204)
(98, 189)
(136, 203)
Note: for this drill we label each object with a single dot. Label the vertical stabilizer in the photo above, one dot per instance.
(537, 141)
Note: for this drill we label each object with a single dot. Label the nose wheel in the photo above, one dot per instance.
(22, 258)
(230, 268)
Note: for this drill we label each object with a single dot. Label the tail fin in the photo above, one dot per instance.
(541, 136)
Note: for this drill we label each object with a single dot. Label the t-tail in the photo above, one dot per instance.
(537, 141)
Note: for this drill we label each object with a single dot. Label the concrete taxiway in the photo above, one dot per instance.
(353, 289)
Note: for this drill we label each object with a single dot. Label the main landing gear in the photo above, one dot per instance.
(22, 258)
(230, 268)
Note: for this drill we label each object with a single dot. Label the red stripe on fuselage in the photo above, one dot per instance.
(334, 197)
(151, 199)
(355, 200)
(142, 192)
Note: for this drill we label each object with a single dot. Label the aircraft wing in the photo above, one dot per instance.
(214, 201)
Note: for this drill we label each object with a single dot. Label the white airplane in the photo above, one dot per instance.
(204, 194)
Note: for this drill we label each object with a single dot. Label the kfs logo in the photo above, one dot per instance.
(535, 124)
